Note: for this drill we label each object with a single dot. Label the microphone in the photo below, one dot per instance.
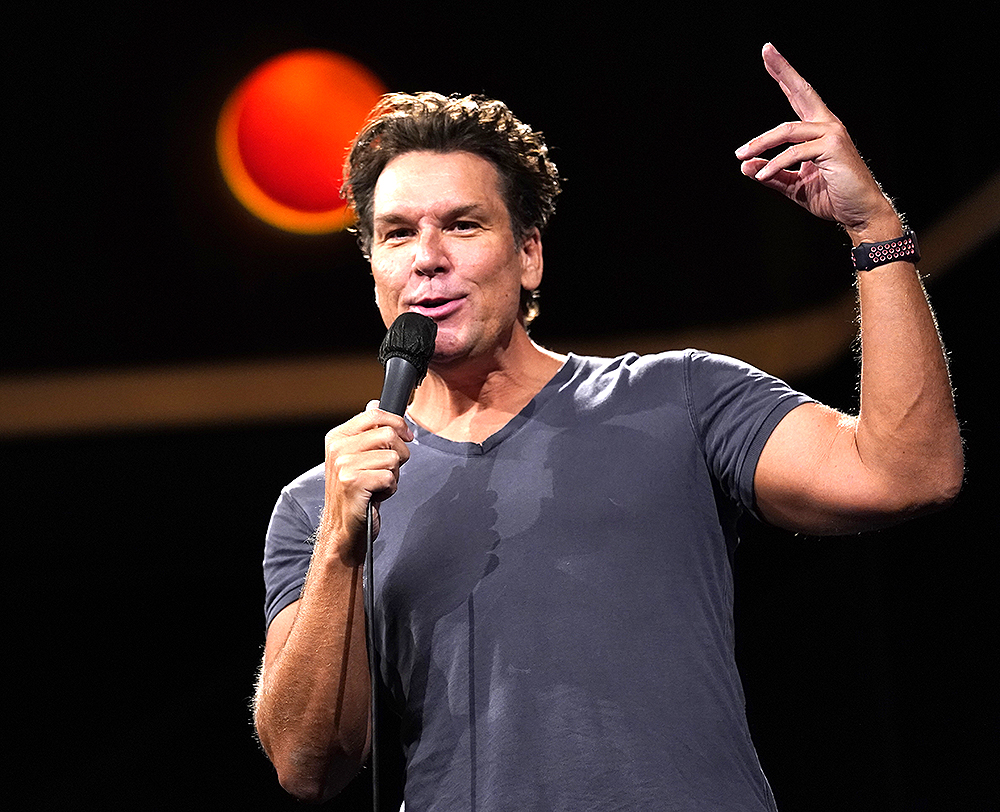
(405, 353)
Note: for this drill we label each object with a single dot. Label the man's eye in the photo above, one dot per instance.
(396, 234)
(465, 225)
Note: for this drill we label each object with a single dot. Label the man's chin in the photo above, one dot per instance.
(449, 349)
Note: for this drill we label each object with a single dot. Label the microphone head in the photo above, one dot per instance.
(411, 337)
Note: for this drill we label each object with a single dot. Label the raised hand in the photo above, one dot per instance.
(820, 169)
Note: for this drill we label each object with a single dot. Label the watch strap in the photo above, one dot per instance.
(870, 255)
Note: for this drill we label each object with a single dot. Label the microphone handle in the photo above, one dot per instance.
(400, 381)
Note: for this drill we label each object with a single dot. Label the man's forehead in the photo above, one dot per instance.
(460, 177)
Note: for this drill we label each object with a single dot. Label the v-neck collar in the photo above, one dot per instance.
(465, 449)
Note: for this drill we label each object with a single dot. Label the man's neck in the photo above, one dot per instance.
(472, 400)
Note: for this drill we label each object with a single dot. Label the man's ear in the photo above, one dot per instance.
(531, 260)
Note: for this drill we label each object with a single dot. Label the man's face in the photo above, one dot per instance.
(443, 246)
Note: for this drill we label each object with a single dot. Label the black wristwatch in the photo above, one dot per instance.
(870, 255)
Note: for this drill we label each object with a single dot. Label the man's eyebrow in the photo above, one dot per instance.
(392, 218)
(468, 208)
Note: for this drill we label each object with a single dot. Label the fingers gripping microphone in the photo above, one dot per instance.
(405, 353)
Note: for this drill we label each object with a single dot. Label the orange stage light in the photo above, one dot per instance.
(283, 134)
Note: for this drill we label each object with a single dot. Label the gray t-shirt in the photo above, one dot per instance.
(554, 605)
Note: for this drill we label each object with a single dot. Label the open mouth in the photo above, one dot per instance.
(436, 308)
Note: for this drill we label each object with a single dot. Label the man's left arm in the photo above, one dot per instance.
(823, 472)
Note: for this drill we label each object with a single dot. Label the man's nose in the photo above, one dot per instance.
(430, 258)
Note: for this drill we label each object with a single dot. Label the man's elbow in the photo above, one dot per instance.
(312, 783)
(949, 485)
(903, 495)
(304, 789)
(940, 485)
(311, 772)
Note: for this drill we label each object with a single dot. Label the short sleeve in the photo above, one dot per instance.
(288, 547)
(734, 407)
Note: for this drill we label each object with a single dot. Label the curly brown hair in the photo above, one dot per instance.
(403, 122)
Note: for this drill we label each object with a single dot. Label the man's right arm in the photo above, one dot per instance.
(312, 704)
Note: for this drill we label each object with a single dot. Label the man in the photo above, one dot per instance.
(553, 577)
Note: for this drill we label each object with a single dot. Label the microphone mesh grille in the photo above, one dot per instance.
(411, 337)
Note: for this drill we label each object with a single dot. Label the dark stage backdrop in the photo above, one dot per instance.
(133, 607)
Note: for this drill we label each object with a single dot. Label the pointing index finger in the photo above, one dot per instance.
(805, 101)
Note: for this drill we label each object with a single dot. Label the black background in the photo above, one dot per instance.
(134, 596)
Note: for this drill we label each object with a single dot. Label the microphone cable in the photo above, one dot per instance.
(374, 667)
